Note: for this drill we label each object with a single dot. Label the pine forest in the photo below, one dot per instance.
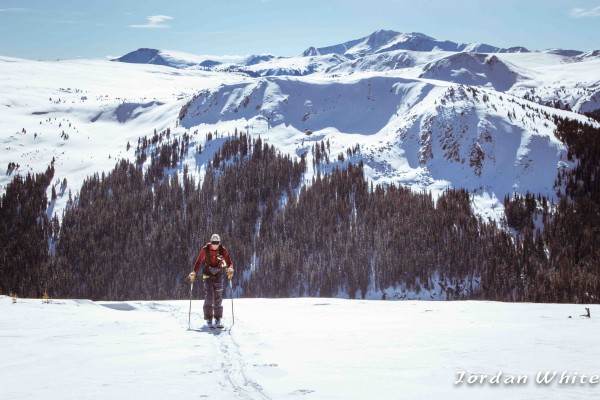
(134, 233)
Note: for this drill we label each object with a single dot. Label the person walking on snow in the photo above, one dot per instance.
(216, 259)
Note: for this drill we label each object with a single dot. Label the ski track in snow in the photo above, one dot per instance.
(232, 365)
(233, 377)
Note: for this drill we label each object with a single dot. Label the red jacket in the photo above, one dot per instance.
(212, 257)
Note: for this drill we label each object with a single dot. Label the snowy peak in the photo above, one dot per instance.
(142, 56)
(310, 52)
(379, 40)
(386, 40)
(418, 42)
(162, 57)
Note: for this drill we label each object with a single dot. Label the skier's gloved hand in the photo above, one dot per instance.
(230, 270)
(192, 276)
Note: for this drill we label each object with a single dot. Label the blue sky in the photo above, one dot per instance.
(51, 29)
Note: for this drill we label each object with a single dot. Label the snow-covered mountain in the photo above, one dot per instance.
(177, 59)
(425, 113)
(381, 50)
(384, 40)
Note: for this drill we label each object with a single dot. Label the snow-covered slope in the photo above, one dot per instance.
(572, 85)
(83, 113)
(404, 60)
(290, 349)
(415, 132)
(473, 69)
(294, 66)
(594, 54)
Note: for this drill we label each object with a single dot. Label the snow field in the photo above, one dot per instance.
(313, 348)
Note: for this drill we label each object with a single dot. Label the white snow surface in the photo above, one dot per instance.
(309, 348)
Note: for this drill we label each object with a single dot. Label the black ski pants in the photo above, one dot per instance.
(213, 297)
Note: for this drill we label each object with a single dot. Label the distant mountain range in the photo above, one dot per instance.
(377, 43)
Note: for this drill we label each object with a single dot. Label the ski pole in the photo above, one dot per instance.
(190, 313)
(230, 275)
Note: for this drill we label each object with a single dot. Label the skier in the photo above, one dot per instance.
(216, 259)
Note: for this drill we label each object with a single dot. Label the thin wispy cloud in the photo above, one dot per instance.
(14, 9)
(583, 13)
(154, 22)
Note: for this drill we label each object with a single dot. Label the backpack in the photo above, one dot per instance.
(208, 269)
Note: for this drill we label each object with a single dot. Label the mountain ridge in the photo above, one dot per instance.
(387, 51)
(378, 42)
(386, 40)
